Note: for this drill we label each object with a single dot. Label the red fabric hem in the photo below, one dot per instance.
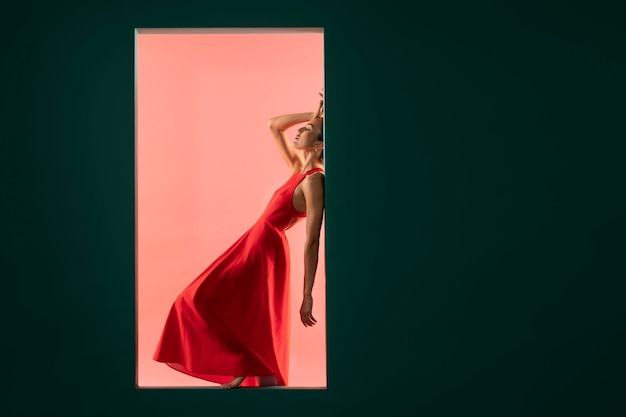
(250, 381)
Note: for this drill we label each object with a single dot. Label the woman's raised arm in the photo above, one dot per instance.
(277, 126)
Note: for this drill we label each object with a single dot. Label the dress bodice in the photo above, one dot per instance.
(280, 212)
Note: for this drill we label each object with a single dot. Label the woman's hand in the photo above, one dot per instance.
(306, 311)
(319, 112)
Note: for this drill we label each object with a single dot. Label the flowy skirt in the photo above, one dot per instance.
(233, 319)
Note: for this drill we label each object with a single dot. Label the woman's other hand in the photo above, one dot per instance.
(306, 311)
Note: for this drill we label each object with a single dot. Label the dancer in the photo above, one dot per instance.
(231, 324)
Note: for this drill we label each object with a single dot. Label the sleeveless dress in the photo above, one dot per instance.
(234, 318)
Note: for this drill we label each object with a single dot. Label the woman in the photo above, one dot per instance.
(232, 322)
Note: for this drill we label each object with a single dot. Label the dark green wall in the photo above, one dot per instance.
(475, 208)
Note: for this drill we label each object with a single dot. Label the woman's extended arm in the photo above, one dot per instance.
(313, 188)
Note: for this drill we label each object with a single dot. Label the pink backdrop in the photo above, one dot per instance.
(206, 166)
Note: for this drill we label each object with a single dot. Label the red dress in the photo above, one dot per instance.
(233, 319)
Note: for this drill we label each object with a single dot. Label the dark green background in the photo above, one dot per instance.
(475, 208)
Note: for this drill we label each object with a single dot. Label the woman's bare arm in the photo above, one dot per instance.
(313, 188)
(277, 126)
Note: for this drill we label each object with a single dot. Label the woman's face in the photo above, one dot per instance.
(309, 135)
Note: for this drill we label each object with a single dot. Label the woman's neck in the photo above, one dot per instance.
(312, 160)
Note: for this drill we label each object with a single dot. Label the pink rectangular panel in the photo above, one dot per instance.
(206, 166)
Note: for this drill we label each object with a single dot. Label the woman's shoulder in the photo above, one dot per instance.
(314, 179)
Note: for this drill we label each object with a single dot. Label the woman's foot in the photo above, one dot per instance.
(236, 381)
(267, 381)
